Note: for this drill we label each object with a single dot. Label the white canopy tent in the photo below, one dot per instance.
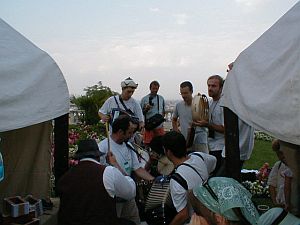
(263, 88)
(33, 88)
(33, 92)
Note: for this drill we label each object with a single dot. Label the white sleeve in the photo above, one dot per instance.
(143, 102)
(103, 146)
(135, 161)
(272, 179)
(138, 111)
(116, 184)
(288, 173)
(106, 107)
(175, 113)
(210, 162)
(179, 195)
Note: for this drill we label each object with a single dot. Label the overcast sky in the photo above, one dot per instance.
(166, 40)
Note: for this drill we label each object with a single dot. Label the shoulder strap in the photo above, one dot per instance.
(125, 107)
(128, 145)
(157, 103)
(121, 100)
(116, 101)
(280, 217)
(197, 154)
(185, 164)
(164, 111)
(180, 180)
(279, 165)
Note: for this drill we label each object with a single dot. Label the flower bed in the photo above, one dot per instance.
(259, 188)
(260, 135)
(79, 132)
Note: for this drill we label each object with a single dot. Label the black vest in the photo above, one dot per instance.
(83, 198)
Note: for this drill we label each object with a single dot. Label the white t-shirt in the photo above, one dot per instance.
(216, 116)
(246, 140)
(276, 179)
(125, 156)
(131, 104)
(184, 113)
(204, 167)
(115, 183)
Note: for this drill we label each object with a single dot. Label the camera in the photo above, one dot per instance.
(150, 101)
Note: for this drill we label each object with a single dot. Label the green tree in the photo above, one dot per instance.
(91, 102)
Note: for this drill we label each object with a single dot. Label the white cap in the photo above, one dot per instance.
(128, 82)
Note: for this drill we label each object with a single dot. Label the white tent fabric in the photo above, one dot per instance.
(263, 88)
(32, 87)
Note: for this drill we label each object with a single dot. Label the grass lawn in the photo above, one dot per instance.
(262, 153)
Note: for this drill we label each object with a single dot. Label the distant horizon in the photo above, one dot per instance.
(108, 41)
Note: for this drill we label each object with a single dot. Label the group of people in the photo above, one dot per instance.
(101, 189)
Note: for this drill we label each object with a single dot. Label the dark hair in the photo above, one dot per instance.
(121, 123)
(187, 84)
(276, 145)
(219, 78)
(156, 145)
(155, 83)
(176, 143)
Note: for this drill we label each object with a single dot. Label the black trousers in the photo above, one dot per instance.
(218, 155)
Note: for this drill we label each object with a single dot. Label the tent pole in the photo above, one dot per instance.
(61, 146)
(232, 153)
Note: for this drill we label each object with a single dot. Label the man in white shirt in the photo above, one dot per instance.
(215, 125)
(122, 131)
(87, 184)
(124, 102)
(183, 112)
(194, 169)
(152, 104)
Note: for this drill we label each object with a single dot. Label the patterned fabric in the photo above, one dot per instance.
(230, 194)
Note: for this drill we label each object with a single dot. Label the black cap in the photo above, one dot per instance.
(88, 148)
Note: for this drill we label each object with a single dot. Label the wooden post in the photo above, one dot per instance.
(232, 153)
(61, 146)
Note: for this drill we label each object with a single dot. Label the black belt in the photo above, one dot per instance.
(120, 200)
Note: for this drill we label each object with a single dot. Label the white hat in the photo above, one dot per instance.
(128, 82)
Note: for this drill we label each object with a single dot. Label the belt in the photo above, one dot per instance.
(120, 200)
